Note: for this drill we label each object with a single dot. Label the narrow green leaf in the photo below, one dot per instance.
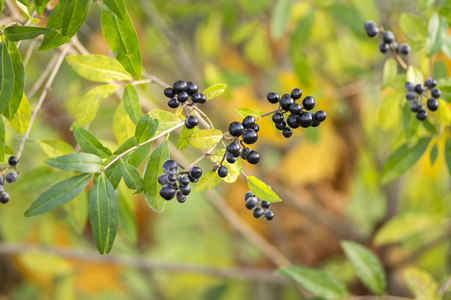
(66, 18)
(123, 126)
(403, 159)
(18, 33)
(122, 40)
(2, 2)
(421, 284)
(23, 5)
(117, 7)
(146, 128)
(77, 162)
(58, 194)
(129, 143)
(244, 112)
(447, 154)
(316, 282)
(103, 214)
(7, 77)
(151, 173)
(127, 218)
(207, 181)
(98, 68)
(429, 127)
(54, 148)
(215, 90)
(433, 154)
(114, 173)
(139, 155)
(89, 143)
(366, 265)
(19, 82)
(131, 103)
(389, 73)
(166, 119)
(132, 178)
(184, 137)
(262, 190)
(40, 5)
(22, 117)
(437, 28)
(2, 140)
(280, 18)
(205, 138)
(234, 169)
(89, 104)
(77, 212)
(413, 27)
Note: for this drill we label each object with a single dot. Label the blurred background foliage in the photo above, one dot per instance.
(328, 176)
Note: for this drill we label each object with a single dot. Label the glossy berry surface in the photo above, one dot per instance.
(196, 97)
(411, 96)
(248, 122)
(172, 178)
(234, 148)
(249, 136)
(258, 212)
(167, 192)
(195, 172)
(236, 129)
(409, 86)
(383, 47)
(253, 157)
(223, 171)
(273, 97)
(256, 128)
(13, 161)
(418, 89)
(4, 198)
(287, 132)
(170, 166)
(308, 103)
(293, 121)
(278, 118)
(180, 86)
(245, 153)
(422, 115)
(436, 93)
(388, 37)
(295, 108)
(432, 104)
(183, 180)
(415, 106)
(230, 158)
(265, 204)
(372, 32)
(248, 195)
(169, 92)
(430, 83)
(180, 197)
(268, 215)
(281, 126)
(305, 119)
(286, 101)
(296, 94)
(12, 177)
(320, 115)
(173, 103)
(191, 88)
(203, 99)
(251, 203)
(369, 24)
(191, 122)
(182, 97)
(404, 49)
(185, 190)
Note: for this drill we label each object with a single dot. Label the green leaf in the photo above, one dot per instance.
(207, 181)
(166, 119)
(2, 2)
(131, 103)
(215, 90)
(414, 75)
(18, 33)
(2, 140)
(122, 40)
(77, 212)
(244, 112)
(262, 190)
(123, 126)
(421, 284)
(54, 148)
(403, 159)
(366, 265)
(403, 226)
(22, 117)
(139, 155)
(429, 127)
(40, 5)
(437, 28)
(89, 104)
(413, 27)
(132, 178)
(58, 194)
(117, 7)
(205, 138)
(103, 214)
(316, 282)
(389, 73)
(19, 82)
(114, 173)
(146, 128)
(23, 5)
(89, 143)
(234, 169)
(129, 143)
(7, 79)
(151, 173)
(280, 18)
(184, 137)
(66, 18)
(98, 68)
(447, 154)
(77, 162)
(409, 120)
(127, 219)
(433, 154)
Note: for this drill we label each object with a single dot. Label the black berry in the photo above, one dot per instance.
(265, 204)
(170, 166)
(296, 94)
(236, 129)
(411, 96)
(172, 178)
(383, 47)
(256, 128)
(248, 195)
(230, 158)
(183, 180)
(278, 118)
(196, 97)
(191, 88)
(295, 108)
(185, 190)
(404, 49)
(203, 99)
(248, 122)
(249, 136)
(251, 203)
(180, 197)
(292, 121)
(167, 192)
(281, 126)
(432, 104)
(4, 198)
(415, 106)
(234, 148)
(287, 132)
(388, 37)
(273, 97)
(409, 86)
(195, 172)
(223, 171)
(169, 92)
(268, 215)
(286, 101)
(320, 115)
(422, 115)
(372, 32)
(258, 212)
(305, 119)
(173, 103)
(180, 86)
(370, 24)
(253, 157)
(182, 97)
(245, 153)
(191, 122)
(163, 179)
(193, 180)
(430, 83)
(436, 93)
(308, 103)
(418, 89)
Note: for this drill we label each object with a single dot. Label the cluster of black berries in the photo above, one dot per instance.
(388, 39)
(252, 203)
(298, 113)
(415, 94)
(248, 131)
(180, 93)
(11, 177)
(176, 184)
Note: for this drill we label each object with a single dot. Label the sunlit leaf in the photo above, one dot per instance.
(215, 90)
(184, 137)
(146, 128)
(205, 138)
(54, 148)
(123, 126)
(98, 68)
(117, 7)
(280, 17)
(19, 82)
(244, 112)
(389, 72)
(421, 284)
(132, 178)
(261, 190)
(22, 117)
(165, 119)
(18, 33)
(89, 143)
(437, 28)
(208, 181)
(7, 78)
(131, 103)
(413, 27)
(77, 162)
(234, 169)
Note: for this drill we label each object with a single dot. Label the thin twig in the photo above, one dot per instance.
(156, 80)
(44, 74)
(445, 287)
(142, 262)
(29, 52)
(139, 145)
(42, 97)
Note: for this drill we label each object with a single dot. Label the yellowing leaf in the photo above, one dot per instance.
(98, 68)
(21, 119)
(205, 138)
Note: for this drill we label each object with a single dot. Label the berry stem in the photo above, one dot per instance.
(204, 116)
(272, 112)
(209, 151)
(398, 58)
(139, 145)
